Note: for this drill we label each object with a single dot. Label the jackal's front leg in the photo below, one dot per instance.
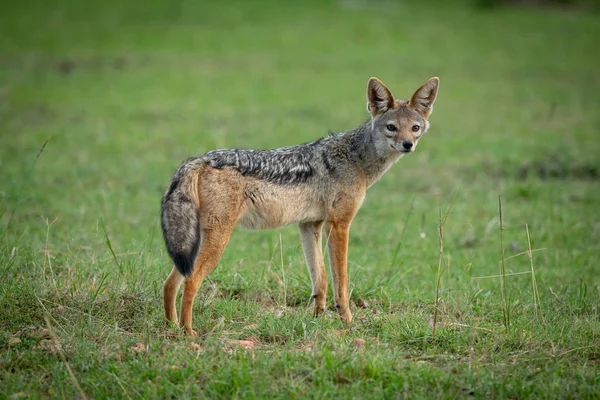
(338, 234)
(310, 233)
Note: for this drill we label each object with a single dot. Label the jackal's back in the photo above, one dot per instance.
(283, 166)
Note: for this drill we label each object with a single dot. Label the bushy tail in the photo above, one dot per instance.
(180, 224)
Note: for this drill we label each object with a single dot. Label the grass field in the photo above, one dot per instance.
(101, 100)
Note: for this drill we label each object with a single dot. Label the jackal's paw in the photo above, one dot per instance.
(191, 332)
(345, 315)
(319, 310)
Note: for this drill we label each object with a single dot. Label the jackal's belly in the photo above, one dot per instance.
(267, 209)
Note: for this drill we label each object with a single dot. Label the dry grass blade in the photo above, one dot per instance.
(64, 359)
(536, 294)
(48, 259)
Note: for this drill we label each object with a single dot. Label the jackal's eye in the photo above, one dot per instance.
(391, 127)
(415, 128)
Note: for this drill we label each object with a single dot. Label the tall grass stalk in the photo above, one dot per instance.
(25, 181)
(283, 273)
(440, 268)
(109, 245)
(534, 289)
(48, 260)
(505, 305)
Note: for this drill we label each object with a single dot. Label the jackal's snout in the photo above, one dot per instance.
(407, 145)
(404, 146)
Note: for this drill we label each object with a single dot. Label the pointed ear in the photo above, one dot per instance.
(423, 99)
(379, 97)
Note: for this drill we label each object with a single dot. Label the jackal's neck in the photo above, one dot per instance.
(364, 152)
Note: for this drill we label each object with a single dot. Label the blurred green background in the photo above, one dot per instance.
(123, 91)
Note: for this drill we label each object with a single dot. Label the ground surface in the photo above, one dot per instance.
(122, 93)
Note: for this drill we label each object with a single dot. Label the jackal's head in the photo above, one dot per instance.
(398, 125)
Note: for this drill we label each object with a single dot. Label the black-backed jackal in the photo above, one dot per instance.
(313, 184)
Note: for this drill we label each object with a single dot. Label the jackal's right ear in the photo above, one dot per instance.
(422, 100)
(379, 97)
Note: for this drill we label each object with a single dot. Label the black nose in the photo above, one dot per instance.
(407, 145)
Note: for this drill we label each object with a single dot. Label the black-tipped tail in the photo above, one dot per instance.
(180, 227)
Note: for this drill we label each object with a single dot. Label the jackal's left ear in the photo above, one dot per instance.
(379, 97)
(423, 99)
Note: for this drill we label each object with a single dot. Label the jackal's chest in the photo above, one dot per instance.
(272, 206)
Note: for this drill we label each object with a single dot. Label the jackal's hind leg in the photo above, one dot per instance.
(310, 234)
(211, 248)
(170, 289)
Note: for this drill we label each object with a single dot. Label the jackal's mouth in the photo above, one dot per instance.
(401, 150)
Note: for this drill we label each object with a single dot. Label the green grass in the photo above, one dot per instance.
(123, 92)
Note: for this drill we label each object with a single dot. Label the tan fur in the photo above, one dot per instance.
(278, 207)
(224, 197)
(310, 234)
